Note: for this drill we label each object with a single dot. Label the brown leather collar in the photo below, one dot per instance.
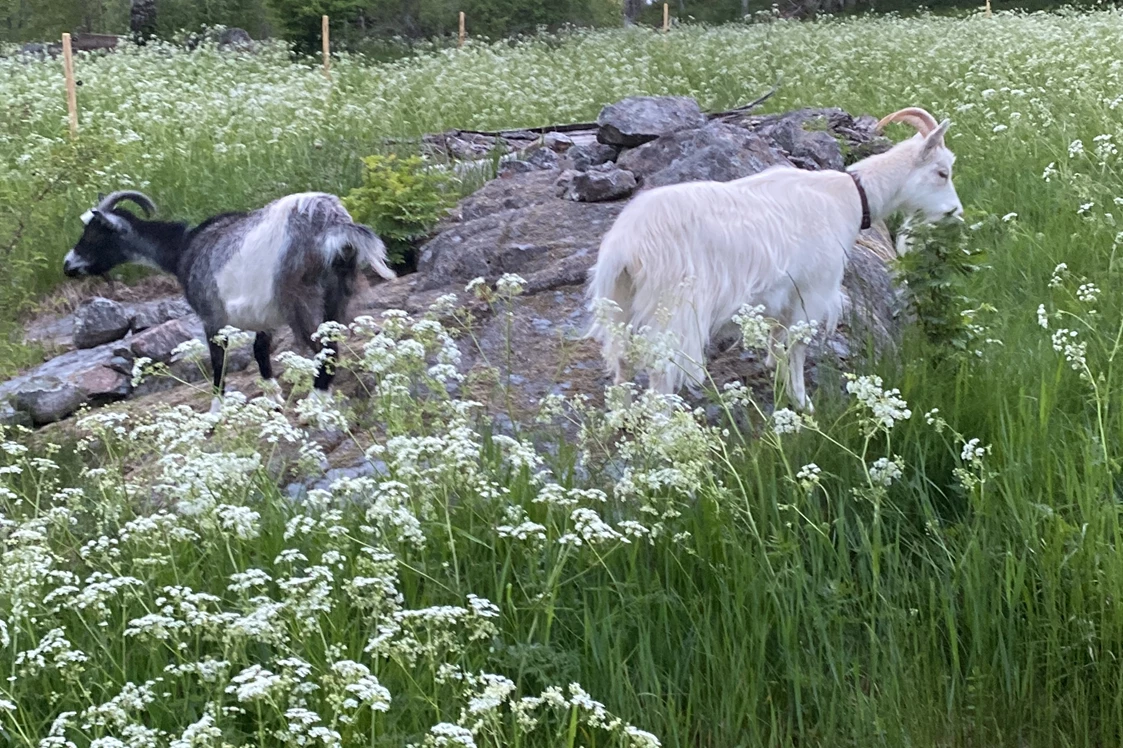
(866, 223)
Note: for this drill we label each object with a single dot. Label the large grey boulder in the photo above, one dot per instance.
(719, 152)
(514, 225)
(100, 321)
(55, 389)
(809, 148)
(46, 400)
(636, 120)
(821, 138)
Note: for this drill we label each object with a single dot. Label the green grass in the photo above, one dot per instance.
(970, 603)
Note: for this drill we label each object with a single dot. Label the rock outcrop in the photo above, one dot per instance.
(543, 219)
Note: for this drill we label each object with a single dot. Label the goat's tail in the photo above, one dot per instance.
(353, 241)
(610, 281)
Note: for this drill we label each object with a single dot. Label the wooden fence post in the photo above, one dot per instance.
(71, 87)
(326, 32)
(667, 17)
(460, 38)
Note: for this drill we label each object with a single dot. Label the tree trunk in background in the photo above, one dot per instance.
(142, 18)
(632, 10)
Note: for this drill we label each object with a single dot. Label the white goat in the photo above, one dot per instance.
(683, 259)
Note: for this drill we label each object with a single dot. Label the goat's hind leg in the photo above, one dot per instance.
(305, 318)
(336, 297)
(218, 370)
(615, 361)
(686, 367)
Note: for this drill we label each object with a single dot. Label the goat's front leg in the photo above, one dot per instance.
(777, 336)
(262, 348)
(797, 354)
(326, 373)
(218, 370)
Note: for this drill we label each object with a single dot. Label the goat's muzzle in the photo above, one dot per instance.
(73, 269)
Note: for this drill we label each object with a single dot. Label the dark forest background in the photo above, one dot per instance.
(354, 21)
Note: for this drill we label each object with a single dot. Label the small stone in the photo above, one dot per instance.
(159, 342)
(102, 384)
(539, 159)
(557, 142)
(9, 416)
(598, 184)
(515, 166)
(151, 314)
(582, 157)
(565, 179)
(53, 335)
(123, 364)
(100, 321)
(543, 158)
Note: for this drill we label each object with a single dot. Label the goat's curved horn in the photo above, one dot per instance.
(915, 116)
(109, 202)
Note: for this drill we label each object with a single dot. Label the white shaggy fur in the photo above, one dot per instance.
(683, 259)
(247, 282)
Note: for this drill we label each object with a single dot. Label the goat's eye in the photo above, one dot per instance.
(942, 174)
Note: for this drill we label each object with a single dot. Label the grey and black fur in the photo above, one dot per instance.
(291, 262)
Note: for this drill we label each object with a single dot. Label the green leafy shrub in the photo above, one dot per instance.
(935, 270)
(401, 201)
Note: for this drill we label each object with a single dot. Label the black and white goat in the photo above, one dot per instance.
(292, 262)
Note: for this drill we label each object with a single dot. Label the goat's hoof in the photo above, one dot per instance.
(271, 390)
(216, 405)
(309, 414)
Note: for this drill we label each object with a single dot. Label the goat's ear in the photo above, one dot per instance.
(109, 221)
(935, 139)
